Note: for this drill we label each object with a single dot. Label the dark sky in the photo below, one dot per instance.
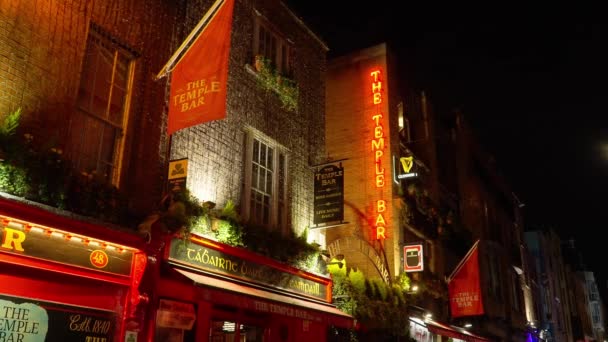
(531, 80)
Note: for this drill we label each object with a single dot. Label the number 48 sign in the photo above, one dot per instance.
(413, 258)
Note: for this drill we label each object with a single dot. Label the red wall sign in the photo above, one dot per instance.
(413, 258)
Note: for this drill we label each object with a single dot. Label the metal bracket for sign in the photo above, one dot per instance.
(329, 162)
(330, 226)
(394, 172)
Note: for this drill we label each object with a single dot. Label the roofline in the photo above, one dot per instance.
(305, 27)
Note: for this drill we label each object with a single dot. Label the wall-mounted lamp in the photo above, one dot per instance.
(339, 263)
(468, 325)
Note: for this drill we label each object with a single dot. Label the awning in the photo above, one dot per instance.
(251, 298)
(454, 332)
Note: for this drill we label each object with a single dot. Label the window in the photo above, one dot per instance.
(516, 296)
(404, 124)
(494, 279)
(271, 45)
(595, 313)
(265, 183)
(98, 127)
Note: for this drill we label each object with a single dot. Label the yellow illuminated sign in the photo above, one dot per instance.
(407, 163)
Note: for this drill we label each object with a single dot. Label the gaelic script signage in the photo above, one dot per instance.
(24, 319)
(215, 261)
(329, 194)
(16, 238)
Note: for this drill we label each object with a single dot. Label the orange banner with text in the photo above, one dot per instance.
(464, 287)
(198, 81)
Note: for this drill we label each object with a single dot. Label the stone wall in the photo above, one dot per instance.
(215, 150)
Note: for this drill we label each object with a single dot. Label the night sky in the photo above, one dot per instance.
(531, 81)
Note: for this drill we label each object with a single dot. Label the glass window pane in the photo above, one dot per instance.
(222, 331)
(117, 104)
(254, 177)
(269, 183)
(251, 333)
(263, 180)
(121, 78)
(263, 155)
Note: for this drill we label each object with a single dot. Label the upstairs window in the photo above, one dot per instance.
(265, 183)
(98, 127)
(270, 44)
(404, 124)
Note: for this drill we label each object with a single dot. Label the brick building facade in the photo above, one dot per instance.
(83, 75)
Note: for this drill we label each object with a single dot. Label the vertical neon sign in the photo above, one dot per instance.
(378, 152)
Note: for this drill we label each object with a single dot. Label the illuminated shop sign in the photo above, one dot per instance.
(27, 239)
(404, 168)
(413, 258)
(208, 256)
(378, 145)
(24, 319)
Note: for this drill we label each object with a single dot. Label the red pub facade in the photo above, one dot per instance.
(62, 279)
(207, 290)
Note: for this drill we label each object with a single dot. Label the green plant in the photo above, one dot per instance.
(270, 80)
(185, 214)
(39, 172)
(13, 180)
(378, 306)
(9, 125)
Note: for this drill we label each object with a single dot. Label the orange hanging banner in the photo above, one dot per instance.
(198, 81)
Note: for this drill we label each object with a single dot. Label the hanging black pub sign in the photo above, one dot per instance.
(329, 194)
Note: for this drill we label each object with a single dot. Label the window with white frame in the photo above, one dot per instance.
(271, 45)
(98, 127)
(265, 182)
